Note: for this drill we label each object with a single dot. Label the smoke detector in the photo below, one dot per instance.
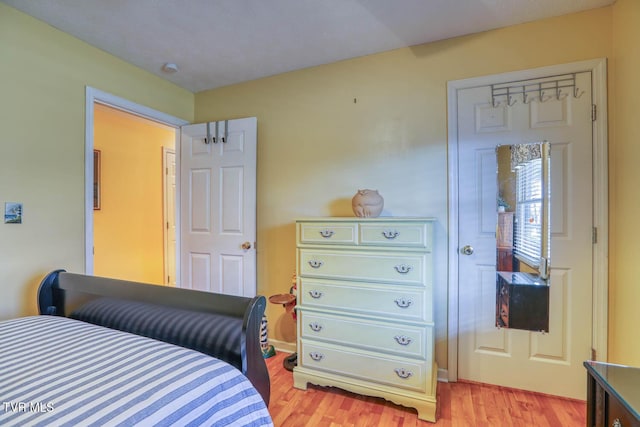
(170, 68)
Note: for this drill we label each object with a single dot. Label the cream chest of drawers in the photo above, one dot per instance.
(365, 308)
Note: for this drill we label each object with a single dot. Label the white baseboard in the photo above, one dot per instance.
(285, 347)
(443, 375)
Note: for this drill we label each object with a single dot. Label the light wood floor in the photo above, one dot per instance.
(459, 404)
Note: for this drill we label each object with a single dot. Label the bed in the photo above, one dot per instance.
(113, 352)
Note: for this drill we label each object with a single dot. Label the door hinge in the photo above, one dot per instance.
(594, 235)
(594, 111)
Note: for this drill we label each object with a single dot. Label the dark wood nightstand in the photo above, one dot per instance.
(613, 395)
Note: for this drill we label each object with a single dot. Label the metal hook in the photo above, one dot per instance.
(525, 98)
(207, 140)
(541, 93)
(559, 94)
(577, 93)
(511, 101)
(494, 102)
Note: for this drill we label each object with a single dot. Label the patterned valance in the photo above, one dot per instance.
(523, 153)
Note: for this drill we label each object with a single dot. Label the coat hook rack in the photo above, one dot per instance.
(530, 90)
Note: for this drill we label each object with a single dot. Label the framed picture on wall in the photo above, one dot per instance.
(96, 179)
(12, 213)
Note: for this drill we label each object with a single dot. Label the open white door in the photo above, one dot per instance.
(218, 207)
(169, 214)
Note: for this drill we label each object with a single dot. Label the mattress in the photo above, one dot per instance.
(60, 371)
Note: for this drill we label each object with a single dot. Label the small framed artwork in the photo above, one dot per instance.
(12, 213)
(96, 179)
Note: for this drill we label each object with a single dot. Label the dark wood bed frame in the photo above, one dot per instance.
(61, 292)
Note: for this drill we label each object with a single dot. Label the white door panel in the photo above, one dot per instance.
(219, 207)
(551, 362)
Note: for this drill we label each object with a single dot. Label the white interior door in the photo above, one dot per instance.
(218, 207)
(169, 210)
(544, 362)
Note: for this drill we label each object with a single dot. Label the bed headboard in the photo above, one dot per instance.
(68, 294)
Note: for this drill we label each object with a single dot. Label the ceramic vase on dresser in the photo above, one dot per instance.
(365, 308)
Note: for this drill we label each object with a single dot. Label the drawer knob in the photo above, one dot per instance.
(315, 294)
(403, 302)
(616, 423)
(390, 234)
(403, 373)
(315, 326)
(326, 233)
(317, 356)
(403, 268)
(314, 263)
(403, 339)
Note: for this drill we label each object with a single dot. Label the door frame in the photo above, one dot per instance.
(598, 68)
(95, 96)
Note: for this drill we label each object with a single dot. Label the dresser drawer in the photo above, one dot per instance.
(382, 337)
(381, 369)
(330, 233)
(384, 301)
(407, 268)
(389, 235)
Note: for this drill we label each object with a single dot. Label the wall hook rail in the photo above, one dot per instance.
(561, 86)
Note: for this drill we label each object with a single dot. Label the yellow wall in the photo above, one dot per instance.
(624, 195)
(43, 74)
(128, 228)
(316, 147)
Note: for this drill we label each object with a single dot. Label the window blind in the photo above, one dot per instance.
(528, 219)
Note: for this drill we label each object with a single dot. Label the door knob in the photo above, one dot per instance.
(467, 250)
(246, 246)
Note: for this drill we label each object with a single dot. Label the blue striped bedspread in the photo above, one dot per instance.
(56, 371)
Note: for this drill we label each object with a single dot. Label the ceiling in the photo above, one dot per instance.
(221, 42)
